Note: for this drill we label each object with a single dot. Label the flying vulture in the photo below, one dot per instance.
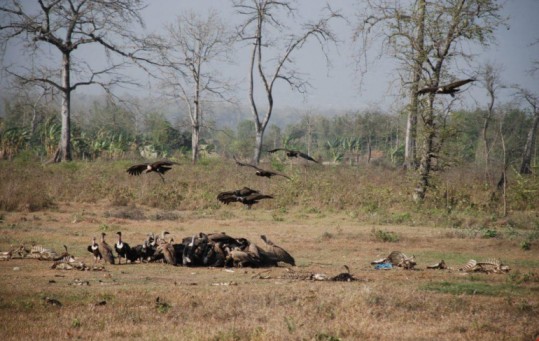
(449, 89)
(246, 196)
(293, 153)
(259, 171)
(160, 167)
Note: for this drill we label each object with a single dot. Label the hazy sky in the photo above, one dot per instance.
(337, 87)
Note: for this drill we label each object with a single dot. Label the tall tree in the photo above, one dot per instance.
(533, 101)
(195, 45)
(64, 27)
(490, 78)
(401, 26)
(449, 23)
(262, 18)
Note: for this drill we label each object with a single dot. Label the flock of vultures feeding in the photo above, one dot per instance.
(211, 250)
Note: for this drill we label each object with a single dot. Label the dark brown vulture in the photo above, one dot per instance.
(449, 89)
(105, 250)
(259, 171)
(278, 253)
(246, 196)
(293, 153)
(160, 167)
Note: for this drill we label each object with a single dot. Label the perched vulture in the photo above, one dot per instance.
(160, 167)
(293, 153)
(259, 171)
(246, 196)
(105, 250)
(449, 89)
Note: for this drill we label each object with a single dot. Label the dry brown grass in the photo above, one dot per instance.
(384, 305)
(325, 217)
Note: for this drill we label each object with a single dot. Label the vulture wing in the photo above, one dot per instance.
(456, 84)
(137, 169)
(426, 90)
(245, 164)
(307, 157)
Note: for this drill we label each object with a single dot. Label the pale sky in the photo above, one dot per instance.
(337, 88)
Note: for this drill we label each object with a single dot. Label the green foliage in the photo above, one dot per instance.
(75, 323)
(490, 234)
(525, 245)
(385, 236)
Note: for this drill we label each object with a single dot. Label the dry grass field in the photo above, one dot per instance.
(277, 303)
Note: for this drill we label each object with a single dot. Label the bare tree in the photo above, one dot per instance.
(490, 78)
(260, 17)
(64, 27)
(195, 45)
(533, 101)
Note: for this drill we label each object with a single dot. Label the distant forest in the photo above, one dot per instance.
(102, 129)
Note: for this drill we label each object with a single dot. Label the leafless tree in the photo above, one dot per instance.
(60, 28)
(533, 101)
(271, 56)
(490, 79)
(195, 46)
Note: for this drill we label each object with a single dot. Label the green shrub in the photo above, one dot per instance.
(385, 236)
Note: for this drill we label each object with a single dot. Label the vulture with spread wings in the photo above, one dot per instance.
(293, 153)
(259, 171)
(449, 89)
(160, 167)
(246, 196)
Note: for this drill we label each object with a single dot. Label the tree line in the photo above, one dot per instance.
(106, 130)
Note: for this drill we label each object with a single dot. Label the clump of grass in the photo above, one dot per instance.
(490, 233)
(525, 245)
(327, 235)
(326, 337)
(385, 236)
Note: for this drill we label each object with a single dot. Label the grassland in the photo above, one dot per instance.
(324, 217)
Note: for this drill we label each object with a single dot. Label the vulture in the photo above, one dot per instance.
(259, 171)
(105, 249)
(448, 89)
(168, 252)
(123, 250)
(293, 153)
(160, 167)
(246, 196)
(94, 249)
(280, 254)
(344, 276)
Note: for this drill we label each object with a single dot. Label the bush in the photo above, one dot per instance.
(385, 236)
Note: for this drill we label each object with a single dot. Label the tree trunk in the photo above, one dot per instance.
(426, 157)
(410, 158)
(259, 139)
(486, 147)
(525, 167)
(195, 138)
(65, 139)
